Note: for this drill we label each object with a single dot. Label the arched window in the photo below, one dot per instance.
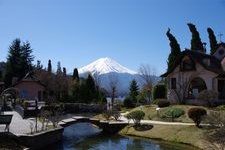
(195, 87)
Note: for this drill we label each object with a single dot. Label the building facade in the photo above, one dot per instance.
(195, 71)
(30, 89)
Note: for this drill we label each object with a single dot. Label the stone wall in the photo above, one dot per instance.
(79, 108)
(43, 139)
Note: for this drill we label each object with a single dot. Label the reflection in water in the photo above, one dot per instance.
(84, 136)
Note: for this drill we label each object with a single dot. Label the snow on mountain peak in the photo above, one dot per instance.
(105, 65)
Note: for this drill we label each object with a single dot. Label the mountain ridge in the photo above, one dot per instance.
(106, 71)
(103, 66)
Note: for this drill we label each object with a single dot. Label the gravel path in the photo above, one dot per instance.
(123, 118)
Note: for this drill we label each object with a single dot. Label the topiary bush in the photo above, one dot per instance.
(159, 91)
(163, 103)
(196, 115)
(220, 108)
(173, 113)
(136, 116)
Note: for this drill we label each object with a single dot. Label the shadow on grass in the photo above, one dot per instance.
(143, 127)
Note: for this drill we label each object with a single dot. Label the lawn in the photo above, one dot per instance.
(151, 113)
(190, 135)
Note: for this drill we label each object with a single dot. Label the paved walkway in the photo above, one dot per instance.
(19, 125)
(155, 122)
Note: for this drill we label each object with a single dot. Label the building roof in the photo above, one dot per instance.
(29, 77)
(214, 66)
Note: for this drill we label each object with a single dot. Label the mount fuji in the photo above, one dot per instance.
(107, 71)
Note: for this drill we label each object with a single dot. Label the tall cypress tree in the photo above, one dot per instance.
(64, 72)
(196, 43)
(212, 40)
(59, 69)
(175, 50)
(76, 75)
(49, 66)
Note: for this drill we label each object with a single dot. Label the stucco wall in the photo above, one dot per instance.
(182, 79)
(29, 90)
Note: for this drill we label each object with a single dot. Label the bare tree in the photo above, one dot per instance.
(112, 86)
(148, 76)
(182, 85)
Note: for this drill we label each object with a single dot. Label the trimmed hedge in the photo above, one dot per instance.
(174, 112)
(196, 115)
(136, 116)
(163, 103)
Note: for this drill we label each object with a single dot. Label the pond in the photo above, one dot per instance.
(84, 136)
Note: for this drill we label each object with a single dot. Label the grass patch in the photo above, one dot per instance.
(190, 135)
(151, 113)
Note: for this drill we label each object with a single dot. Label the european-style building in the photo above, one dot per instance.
(194, 71)
(30, 88)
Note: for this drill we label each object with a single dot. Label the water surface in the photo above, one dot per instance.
(84, 136)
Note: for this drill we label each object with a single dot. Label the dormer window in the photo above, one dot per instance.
(187, 64)
(206, 61)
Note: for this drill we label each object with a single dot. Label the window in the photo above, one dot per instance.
(173, 83)
(187, 64)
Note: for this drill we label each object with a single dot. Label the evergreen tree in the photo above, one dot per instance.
(49, 66)
(19, 61)
(27, 58)
(175, 50)
(64, 72)
(90, 85)
(59, 69)
(196, 43)
(39, 65)
(76, 75)
(212, 40)
(134, 90)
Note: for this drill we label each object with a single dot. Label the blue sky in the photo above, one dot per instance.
(132, 32)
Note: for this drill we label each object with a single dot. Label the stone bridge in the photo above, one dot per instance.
(106, 126)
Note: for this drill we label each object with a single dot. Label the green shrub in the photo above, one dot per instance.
(159, 91)
(196, 115)
(25, 104)
(173, 113)
(128, 103)
(221, 107)
(163, 103)
(136, 116)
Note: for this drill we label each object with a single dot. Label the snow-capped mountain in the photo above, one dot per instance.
(107, 71)
(104, 66)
